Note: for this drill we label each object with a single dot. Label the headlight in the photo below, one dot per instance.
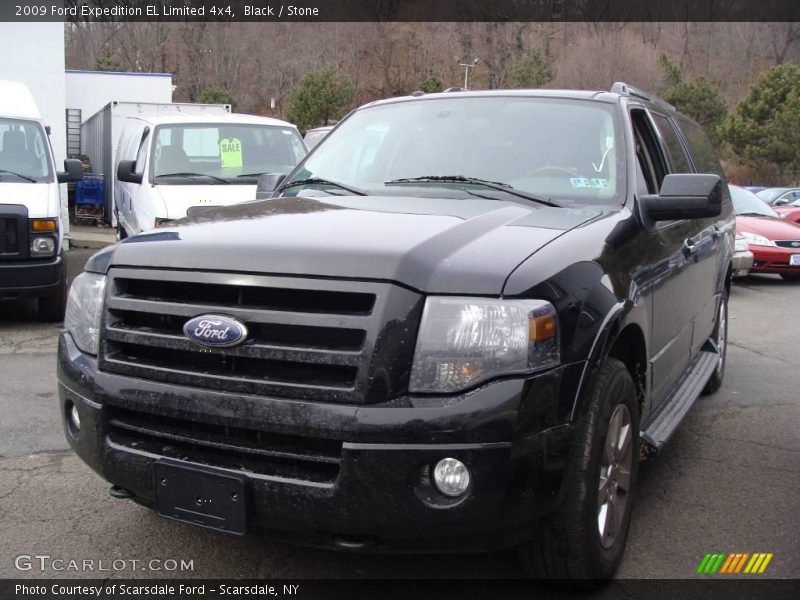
(82, 318)
(741, 244)
(757, 240)
(464, 341)
(43, 246)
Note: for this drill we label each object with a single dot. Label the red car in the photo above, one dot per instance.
(789, 211)
(773, 240)
(785, 201)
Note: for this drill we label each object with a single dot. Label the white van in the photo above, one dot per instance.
(168, 167)
(31, 264)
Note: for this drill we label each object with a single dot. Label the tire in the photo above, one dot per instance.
(790, 276)
(51, 308)
(121, 233)
(572, 543)
(720, 337)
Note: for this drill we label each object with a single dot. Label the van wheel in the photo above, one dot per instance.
(720, 337)
(51, 308)
(121, 234)
(585, 538)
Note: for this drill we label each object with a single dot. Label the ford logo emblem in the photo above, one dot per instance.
(796, 244)
(215, 331)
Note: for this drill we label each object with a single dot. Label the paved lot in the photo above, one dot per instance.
(728, 481)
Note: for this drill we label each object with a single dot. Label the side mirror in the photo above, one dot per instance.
(125, 172)
(781, 202)
(268, 183)
(685, 196)
(73, 171)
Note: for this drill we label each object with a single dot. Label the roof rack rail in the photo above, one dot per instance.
(625, 89)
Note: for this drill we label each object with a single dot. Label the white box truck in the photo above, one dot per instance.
(31, 231)
(162, 161)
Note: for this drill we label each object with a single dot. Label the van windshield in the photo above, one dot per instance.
(223, 153)
(23, 152)
(548, 148)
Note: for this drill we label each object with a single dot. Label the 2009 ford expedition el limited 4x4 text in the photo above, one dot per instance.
(457, 324)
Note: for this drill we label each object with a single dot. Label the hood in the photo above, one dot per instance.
(36, 197)
(771, 228)
(436, 245)
(177, 199)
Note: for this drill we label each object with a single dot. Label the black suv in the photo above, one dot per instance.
(458, 323)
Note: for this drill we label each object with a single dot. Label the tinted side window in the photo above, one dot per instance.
(678, 160)
(652, 165)
(703, 153)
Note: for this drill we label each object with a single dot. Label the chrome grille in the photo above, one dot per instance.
(325, 340)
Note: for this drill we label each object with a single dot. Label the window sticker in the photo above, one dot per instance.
(593, 183)
(230, 153)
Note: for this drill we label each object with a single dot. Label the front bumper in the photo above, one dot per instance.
(30, 278)
(381, 498)
(773, 260)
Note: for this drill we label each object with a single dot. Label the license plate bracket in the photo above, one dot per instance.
(201, 496)
(794, 260)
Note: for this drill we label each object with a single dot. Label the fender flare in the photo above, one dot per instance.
(607, 332)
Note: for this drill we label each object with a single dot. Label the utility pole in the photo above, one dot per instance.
(467, 67)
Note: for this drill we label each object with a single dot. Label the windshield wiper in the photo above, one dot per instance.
(494, 185)
(753, 214)
(25, 177)
(214, 177)
(321, 181)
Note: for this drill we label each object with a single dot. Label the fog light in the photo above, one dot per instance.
(451, 477)
(73, 419)
(43, 246)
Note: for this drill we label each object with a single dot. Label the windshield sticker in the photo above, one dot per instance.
(594, 183)
(230, 153)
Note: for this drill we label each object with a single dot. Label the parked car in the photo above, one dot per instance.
(31, 230)
(786, 203)
(450, 328)
(773, 194)
(755, 188)
(790, 212)
(171, 166)
(773, 240)
(316, 135)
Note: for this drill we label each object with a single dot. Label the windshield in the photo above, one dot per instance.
(746, 203)
(23, 152)
(548, 148)
(230, 153)
(315, 136)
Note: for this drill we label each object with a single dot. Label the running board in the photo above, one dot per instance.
(674, 409)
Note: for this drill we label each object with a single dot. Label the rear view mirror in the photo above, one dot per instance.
(125, 172)
(268, 183)
(685, 196)
(73, 171)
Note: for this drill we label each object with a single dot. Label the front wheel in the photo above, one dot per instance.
(585, 538)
